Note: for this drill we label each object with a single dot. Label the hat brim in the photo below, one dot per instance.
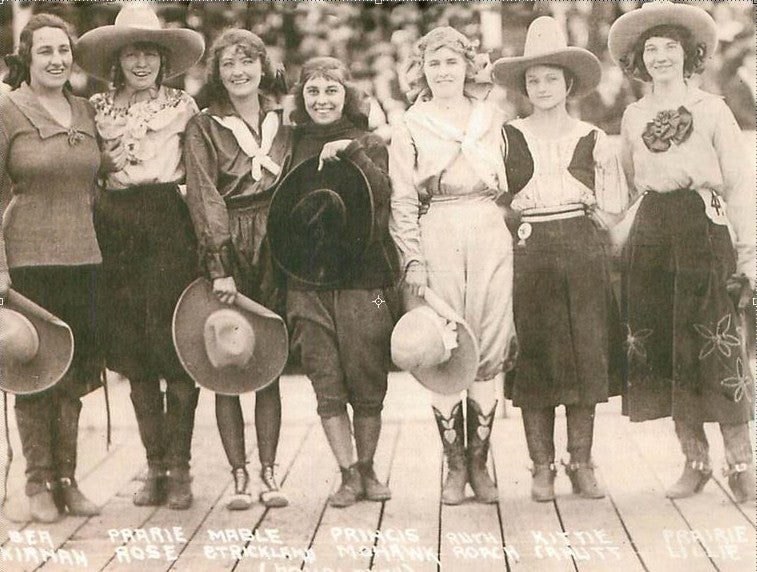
(295, 250)
(585, 67)
(458, 372)
(54, 356)
(269, 357)
(97, 49)
(626, 30)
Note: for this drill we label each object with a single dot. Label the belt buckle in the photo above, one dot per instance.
(524, 231)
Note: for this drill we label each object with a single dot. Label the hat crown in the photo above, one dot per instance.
(417, 340)
(229, 338)
(19, 340)
(138, 16)
(544, 36)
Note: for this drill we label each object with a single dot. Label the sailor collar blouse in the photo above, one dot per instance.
(152, 132)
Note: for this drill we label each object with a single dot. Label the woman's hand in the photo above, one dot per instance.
(330, 150)
(416, 278)
(5, 283)
(225, 289)
(113, 157)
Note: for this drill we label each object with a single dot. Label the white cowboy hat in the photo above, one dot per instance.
(229, 349)
(436, 346)
(36, 348)
(97, 49)
(626, 30)
(546, 45)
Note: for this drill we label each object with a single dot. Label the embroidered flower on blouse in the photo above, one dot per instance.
(738, 383)
(635, 342)
(720, 339)
(74, 137)
(670, 125)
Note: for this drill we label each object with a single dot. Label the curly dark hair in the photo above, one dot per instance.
(18, 63)
(250, 45)
(694, 53)
(117, 73)
(356, 104)
(570, 79)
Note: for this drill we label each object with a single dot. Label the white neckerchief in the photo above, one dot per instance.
(250, 147)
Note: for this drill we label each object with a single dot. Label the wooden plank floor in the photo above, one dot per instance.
(635, 528)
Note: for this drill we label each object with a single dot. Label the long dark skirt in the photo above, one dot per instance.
(149, 256)
(71, 294)
(682, 344)
(566, 317)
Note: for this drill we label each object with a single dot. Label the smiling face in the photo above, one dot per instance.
(444, 70)
(324, 99)
(546, 86)
(663, 58)
(240, 73)
(140, 64)
(51, 59)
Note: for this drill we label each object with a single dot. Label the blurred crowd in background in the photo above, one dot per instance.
(377, 38)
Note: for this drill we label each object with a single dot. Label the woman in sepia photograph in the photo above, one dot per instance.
(446, 161)
(564, 176)
(49, 161)
(144, 231)
(233, 158)
(345, 355)
(684, 157)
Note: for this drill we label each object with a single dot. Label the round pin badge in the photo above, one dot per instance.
(524, 231)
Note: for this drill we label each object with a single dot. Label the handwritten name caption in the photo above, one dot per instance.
(140, 544)
(579, 545)
(393, 546)
(264, 544)
(37, 547)
(479, 546)
(715, 543)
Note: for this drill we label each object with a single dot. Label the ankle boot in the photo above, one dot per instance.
(451, 431)
(543, 482)
(583, 480)
(179, 489)
(479, 429)
(695, 475)
(42, 505)
(741, 481)
(580, 470)
(153, 491)
(351, 489)
(75, 502)
(539, 427)
(374, 489)
(241, 499)
(271, 495)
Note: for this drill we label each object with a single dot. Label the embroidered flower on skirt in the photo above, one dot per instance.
(720, 339)
(669, 126)
(635, 343)
(738, 385)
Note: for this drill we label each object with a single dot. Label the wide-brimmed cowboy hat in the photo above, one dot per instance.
(229, 349)
(36, 348)
(626, 30)
(546, 45)
(97, 49)
(436, 346)
(321, 222)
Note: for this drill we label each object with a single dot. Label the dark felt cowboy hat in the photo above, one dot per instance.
(321, 222)
(626, 30)
(436, 345)
(546, 46)
(97, 49)
(229, 349)
(36, 348)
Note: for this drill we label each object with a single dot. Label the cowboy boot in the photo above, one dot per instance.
(271, 495)
(697, 469)
(451, 431)
(241, 499)
(539, 426)
(580, 470)
(367, 431)
(741, 481)
(33, 419)
(147, 400)
(479, 429)
(181, 402)
(350, 490)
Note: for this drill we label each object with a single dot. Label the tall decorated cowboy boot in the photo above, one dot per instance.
(580, 470)
(479, 428)
(181, 402)
(451, 430)
(147, 400)
(697, 470)
(539, 426)
(65, 436)
(367, 431)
